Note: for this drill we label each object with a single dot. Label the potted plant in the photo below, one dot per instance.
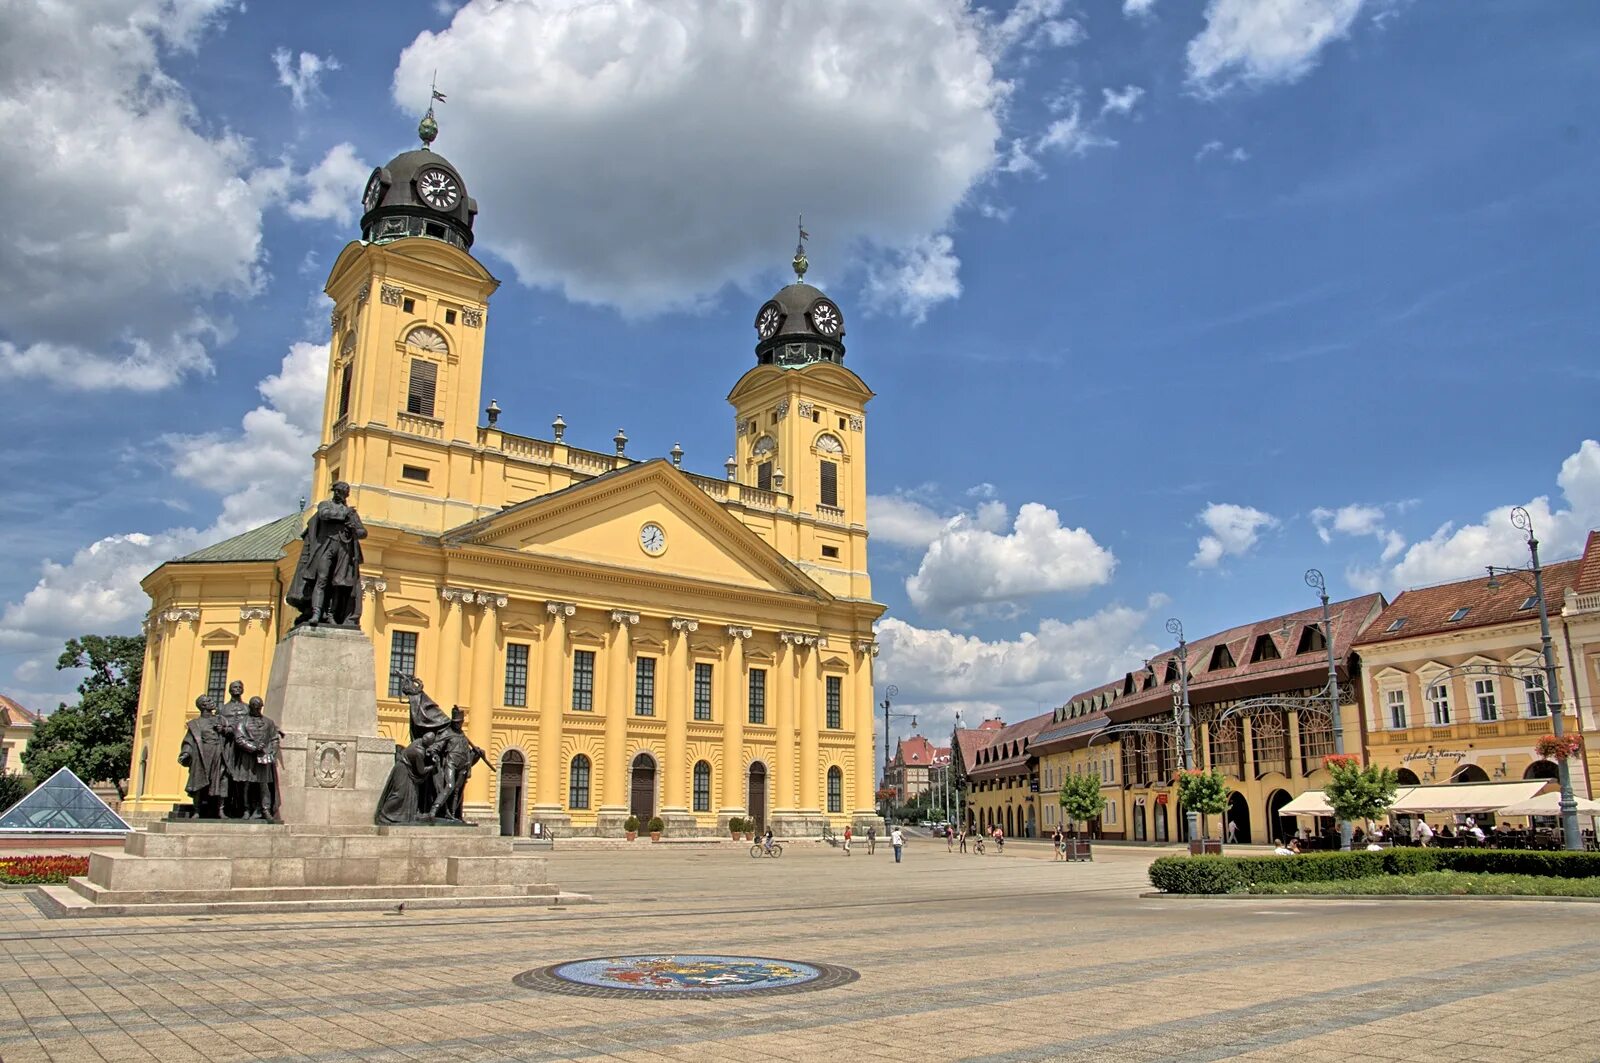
(735, 827)
(749, 830)
(656, 827)
(1357, 793)
(632, 827)
(1081, 801)
(1558, 747)
(1205, 792)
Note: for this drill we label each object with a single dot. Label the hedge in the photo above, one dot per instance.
(1229, 874)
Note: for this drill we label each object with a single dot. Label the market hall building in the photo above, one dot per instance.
(624, 637)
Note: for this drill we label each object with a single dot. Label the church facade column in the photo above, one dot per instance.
(865, 813)
(810, 729)
(617, 704)
(783, 803)
(675, 786)
(450, 651)
(734, 709)
(479, 798)
(547, 806)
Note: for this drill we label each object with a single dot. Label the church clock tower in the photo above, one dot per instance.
(800, 431)
(406, 369)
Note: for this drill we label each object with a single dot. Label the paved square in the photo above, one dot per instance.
(960, 957)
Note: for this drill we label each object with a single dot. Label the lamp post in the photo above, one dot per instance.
(1315, 581)
(891, 692)
(1570, 836)
(1180, 692)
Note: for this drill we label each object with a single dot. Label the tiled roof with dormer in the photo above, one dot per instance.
(1470, 603)
(1008, 752)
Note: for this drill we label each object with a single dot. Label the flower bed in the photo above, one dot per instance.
(1241, 874)
(41, 870)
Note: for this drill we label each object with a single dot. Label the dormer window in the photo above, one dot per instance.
(1311, 639)
(1398, 623)
(1460, 614)
(1221, 657)
(1529, 602)
(1265, 650)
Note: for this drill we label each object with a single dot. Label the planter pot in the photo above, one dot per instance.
(632, 834)
(655, 835)
(749, 836)
(1078, 849)
(1207, 846)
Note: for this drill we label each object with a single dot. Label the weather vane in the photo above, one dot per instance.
(800, 263)
(428, 128)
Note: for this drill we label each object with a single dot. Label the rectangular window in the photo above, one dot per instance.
(578, 783)
(1439, 703)
(831, 552)
(1460, 614)
(414, 472)
(1396, 700)
(702, 787)
(217, 675)
(758, 695)
(449, 317)
(402, 659)
(835, 791)
(702, 691)
(1111, 812)
(830, 484)
(419, 392)
(644, 687)
(1488, 709)
(582, 680)
(345, 377)
(835, 701)
(408, 306)
(764, 476)
(1533, 690)
(516, 674)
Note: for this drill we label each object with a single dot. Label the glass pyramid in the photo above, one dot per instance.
(62, 804)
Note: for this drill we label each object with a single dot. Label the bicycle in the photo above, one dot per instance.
(977, 847)
(774, 851)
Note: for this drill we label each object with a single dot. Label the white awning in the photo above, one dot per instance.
(1549, 804)
(1310, 803)
(1468, 797)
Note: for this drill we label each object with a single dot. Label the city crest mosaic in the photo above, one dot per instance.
(684, 976)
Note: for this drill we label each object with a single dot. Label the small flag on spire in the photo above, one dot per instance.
(438, 95)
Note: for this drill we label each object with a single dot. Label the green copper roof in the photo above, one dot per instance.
(265, 543)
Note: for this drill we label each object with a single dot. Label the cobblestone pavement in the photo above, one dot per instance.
(1007, 958)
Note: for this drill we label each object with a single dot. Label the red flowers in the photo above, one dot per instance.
(41, 870)
(1341, 760)
(1558, 747)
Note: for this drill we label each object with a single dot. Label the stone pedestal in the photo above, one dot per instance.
(610, 823)
(679, 824)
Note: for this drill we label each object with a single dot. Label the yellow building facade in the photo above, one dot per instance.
(623, 636)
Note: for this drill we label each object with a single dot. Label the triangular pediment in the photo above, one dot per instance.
(602, 522)
(410, 614)
(219, 636)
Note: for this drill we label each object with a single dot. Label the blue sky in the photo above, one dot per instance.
(1163, 302)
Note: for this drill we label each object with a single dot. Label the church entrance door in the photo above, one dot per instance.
(643, 803)
(511, 768)
(756, 800)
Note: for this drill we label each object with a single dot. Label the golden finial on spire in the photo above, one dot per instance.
(800, 264)
(428, 128)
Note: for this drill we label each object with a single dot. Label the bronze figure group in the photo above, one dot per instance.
(430, 774)
(232, 757)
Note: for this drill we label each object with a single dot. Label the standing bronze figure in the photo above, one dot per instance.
(258, 737)
(202, 752)
(327, 580)
(456, 756)
(238, 765)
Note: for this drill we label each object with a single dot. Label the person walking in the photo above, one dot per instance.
(897, 840)
(1424, 833)
(872, 840)
(1057, 846)
(847, 840)
(962, 838)
(949, 838)
(1233, 832)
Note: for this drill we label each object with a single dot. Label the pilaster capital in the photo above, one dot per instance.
(801, 638)
(372, 586)
(560, 610)
(490, 599)
(390, 294)
(684, 624)
(624, 617)
(248, 613)
(738, 633)
(180, 616)
(455, 595)
(867, 647)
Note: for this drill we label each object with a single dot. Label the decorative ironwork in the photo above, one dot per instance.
(1269, 741)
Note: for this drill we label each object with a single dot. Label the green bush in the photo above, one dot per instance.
(735, 825)
(1559, 864)
(656, 826)
(1410, 861)
(1179, 874)
(1196, 874)
(631, 824)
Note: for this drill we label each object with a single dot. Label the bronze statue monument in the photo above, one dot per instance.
(429, 775)
(238, 766)
(327, 579)
(257, 737)
(202, 752)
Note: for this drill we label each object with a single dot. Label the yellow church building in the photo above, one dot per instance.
(623, 636)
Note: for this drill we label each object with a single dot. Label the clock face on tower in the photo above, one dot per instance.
(767, 322)
(438, 189)
(374, 192)
(653, 539)
(825, 318)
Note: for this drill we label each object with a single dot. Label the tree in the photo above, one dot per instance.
(1081, 799)
(94, 737)
(1205, 792)
(14, 786)
(1356, 792)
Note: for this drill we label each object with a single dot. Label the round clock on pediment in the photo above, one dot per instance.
(653, 539)
(768, 320)
(376, 185)
(825, 318)
(438, 188)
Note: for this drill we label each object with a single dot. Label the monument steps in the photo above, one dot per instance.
(64, 902)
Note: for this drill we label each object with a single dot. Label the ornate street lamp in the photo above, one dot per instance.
(1315, 581)
(1520, 520)
(891, 692)
(1180, 705)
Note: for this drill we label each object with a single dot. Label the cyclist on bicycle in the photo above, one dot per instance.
(766, 841)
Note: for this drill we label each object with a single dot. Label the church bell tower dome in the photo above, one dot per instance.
(799, 325)
(418, 193)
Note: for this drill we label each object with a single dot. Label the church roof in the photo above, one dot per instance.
(13, 711)
(265, 543)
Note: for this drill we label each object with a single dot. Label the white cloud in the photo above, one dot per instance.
(1137, 8)
(1072, 133)
(1257, 42)
(916, 279)
(1359, 519)
(260, 472)
(1036, 24)
(1120, 101)
(1456, 552)
(331, 188)
(901, 521)
(302, 76)
(138, 217)
(876, 123)
(1233, 530)
(1217, 149)
(940, 671)
(972, 563)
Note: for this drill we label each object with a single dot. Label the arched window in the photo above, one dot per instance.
(578, 783)
(702, 787)
(835, 790)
